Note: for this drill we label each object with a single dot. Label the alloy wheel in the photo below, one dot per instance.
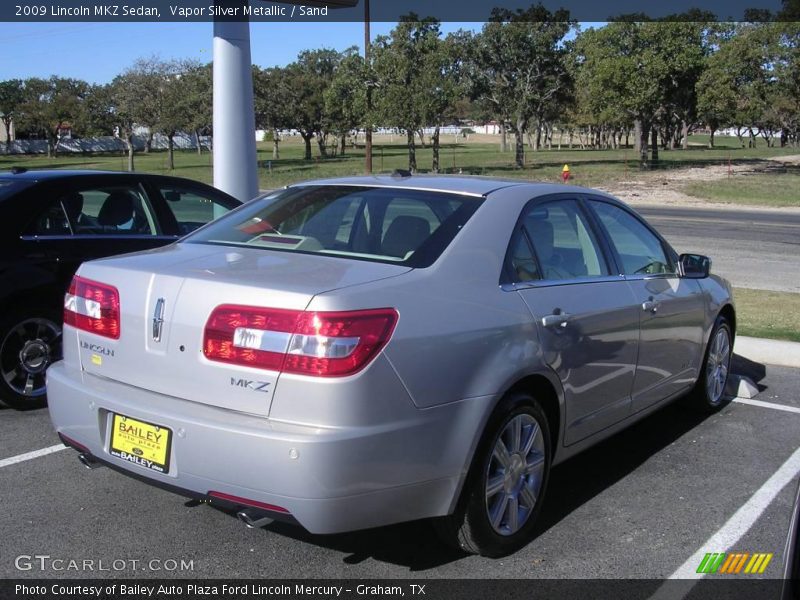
(717, 365)
(515, 474)
(26, 351)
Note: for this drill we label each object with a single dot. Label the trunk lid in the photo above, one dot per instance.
(167, 295)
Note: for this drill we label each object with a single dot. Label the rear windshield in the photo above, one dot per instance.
(391, 225)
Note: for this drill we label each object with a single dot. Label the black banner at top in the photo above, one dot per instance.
(380, 10)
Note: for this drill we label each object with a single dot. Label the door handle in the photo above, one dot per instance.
(559, 319)
(650, 306)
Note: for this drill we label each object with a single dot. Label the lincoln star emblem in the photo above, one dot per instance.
(158, 320)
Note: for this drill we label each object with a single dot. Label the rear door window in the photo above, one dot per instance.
(93, 211)
(563, 243)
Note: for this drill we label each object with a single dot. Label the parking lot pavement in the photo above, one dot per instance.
(636, 506)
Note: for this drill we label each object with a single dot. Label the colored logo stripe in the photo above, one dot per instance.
(734, 563)
(711, 562)
(758, 564)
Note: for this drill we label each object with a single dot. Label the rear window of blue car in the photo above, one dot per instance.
(391, 225)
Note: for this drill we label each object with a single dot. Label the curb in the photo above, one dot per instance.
(771, 352)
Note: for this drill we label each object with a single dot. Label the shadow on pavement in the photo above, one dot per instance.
(578, 480)
(750, 369)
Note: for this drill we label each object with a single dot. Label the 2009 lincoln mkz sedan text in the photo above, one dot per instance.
(351, 353)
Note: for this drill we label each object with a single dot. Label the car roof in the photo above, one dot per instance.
(41, 174)
(472, 185)
(46, 174)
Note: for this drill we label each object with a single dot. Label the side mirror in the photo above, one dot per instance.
(172, 196)
(695, 266)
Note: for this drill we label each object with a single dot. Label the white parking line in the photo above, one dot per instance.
(772, 405)
(31, 455)
(733, 530)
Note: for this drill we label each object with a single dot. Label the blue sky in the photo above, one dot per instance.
(96, 52)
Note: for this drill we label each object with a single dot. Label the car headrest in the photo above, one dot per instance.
(73, 205)
(116, 210)
(405, 233)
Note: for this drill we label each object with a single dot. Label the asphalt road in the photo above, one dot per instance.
(636, 506)
(752, 249)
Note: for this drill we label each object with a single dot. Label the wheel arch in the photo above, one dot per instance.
(545, 388)
(47, 297)
(545, 392)
(729, 313)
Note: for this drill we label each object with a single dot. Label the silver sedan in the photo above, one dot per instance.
(352, 353)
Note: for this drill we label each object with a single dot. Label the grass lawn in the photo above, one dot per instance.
(766, 189)
(476, 156)
(766, 314)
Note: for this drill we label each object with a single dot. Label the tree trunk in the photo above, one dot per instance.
(503, 137)
(148, 143)
(307, 140)
(667, 136)
(412, 150)
(640, 139)
(711, 138)
(343, 143)
(654, 144)
(276, 141)
(171, 151)
(519, 146)
(9, 140)
(321, 144)
(421, 138)
(131, 149)
(435, 143)
(199, 143)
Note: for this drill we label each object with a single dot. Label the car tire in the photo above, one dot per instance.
(505, 487)
(709, 391)
(30, 341)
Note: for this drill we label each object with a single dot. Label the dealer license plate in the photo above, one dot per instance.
(140, 443)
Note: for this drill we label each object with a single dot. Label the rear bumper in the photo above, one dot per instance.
(329, 480)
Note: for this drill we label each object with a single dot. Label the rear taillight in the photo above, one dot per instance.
(92, 306)
(324, 344)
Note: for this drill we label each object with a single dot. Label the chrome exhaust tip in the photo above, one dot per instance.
(253, 519)
(89, 462)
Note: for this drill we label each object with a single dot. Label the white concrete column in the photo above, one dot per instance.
(235, 162)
